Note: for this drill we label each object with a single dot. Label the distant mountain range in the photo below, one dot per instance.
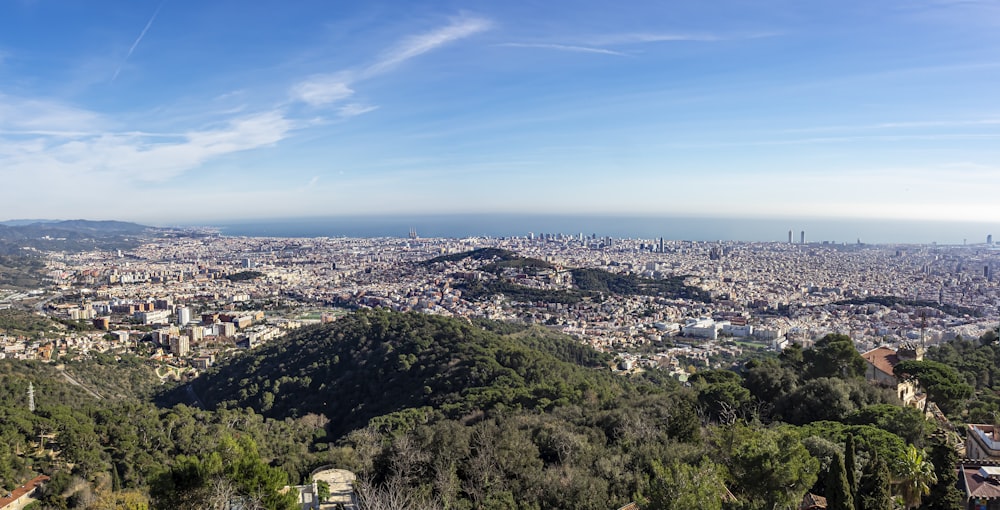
(71, 235)
(75, 225)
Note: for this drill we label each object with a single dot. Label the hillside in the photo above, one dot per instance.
(587, 282)
(70, 235)
(477, 254)
(374, 363)
(20, 271)
(436, 412)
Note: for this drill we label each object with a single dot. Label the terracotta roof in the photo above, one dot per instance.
(882, 358)
(22, 490)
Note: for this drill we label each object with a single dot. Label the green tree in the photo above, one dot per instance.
(834, 355)
(944, 494)
(838, 488)
(768, 380)
(792, 358)
(824, 398)
(233, 472)
(850, 465)
(323, 490)
(767, 467)
(944, 385)
(914, 476)
(681, 486)
(875, 492)
(990, 336)
(722, 400)
(906, 422)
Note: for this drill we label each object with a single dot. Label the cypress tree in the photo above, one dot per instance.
(875, 493)
(838, 492)
(944, 494)
(849, 465)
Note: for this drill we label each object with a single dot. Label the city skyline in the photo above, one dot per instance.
(169, 111)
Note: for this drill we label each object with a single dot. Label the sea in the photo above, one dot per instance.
(834, 231)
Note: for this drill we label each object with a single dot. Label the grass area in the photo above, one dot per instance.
(315, 315)
(751, 345)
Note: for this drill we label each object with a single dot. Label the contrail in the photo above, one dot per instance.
(138, 39)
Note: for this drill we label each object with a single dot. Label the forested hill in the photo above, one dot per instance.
(477, 254)
(407, 366)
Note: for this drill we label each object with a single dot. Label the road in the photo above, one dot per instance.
(194, 396)
(77, 383)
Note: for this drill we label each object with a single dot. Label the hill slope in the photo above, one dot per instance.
(70, 235)
(375, 362)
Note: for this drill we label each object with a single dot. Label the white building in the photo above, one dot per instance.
(702, 328)
(183, 316)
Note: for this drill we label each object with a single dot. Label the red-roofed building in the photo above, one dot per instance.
(880, 364)
(20, 497)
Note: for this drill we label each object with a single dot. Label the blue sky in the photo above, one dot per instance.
(181, 110)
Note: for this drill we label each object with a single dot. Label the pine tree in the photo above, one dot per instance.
(850, 463)
(944, 494)
(838, 492)
(875, 491)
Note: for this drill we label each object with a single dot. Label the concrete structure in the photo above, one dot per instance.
(341, 487)
(179, 345)
(702, 328)
(980, 481)
(982, 442)
(740, 331)
(183, 316)
(153, 317)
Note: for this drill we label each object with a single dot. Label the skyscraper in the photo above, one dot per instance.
(789, 237)
(989, 239)
(802, 237)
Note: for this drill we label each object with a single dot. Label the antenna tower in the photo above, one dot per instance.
(31, 397)
(923, 329)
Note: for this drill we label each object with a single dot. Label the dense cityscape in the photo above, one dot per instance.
(188, 300)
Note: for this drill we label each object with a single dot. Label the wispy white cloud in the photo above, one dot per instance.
(327, 89)
(27, 114)
(565, 47)
(417, 45)
(355, 109)
(66, 145)
(652, 37)
(601, 44)
(627, 38)
(138, 40)
(321, 90)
